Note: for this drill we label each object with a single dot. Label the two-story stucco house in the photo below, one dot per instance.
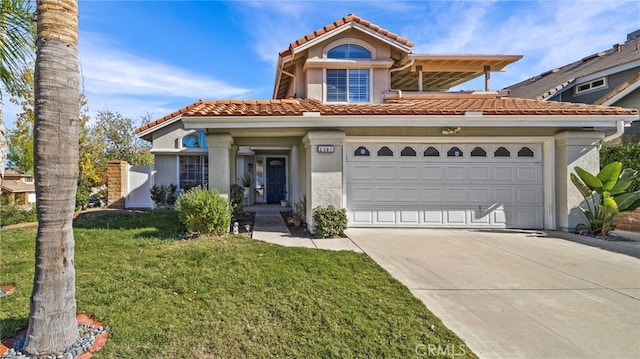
(359, 121)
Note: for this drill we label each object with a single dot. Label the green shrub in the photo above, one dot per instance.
(204, 211)
(299, 209)
(5, 200)
(11, 214)
(164, 196)
(628, 154)
(329, 221)
(82, 194)
(605, 195)
(237, 197)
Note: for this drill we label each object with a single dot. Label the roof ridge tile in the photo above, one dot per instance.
(341, 22)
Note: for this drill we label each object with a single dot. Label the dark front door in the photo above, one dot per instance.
(276, 180)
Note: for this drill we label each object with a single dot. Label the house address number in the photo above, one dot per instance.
(325, 149)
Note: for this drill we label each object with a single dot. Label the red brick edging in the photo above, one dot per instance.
(101, 339)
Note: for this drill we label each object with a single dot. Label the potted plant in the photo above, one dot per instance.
(246, 180)
(246, 184)
(298, 211)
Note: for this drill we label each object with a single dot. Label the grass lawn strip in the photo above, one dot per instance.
(225, 297)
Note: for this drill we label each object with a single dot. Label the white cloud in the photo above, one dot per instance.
(133, 85)
(548, 34)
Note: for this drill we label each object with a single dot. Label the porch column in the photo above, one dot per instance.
(220, 162)
(294, 182)
(574, 149)
(324, 166)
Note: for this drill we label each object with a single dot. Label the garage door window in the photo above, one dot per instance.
(385, 152)
(525, 152)
(478, 152)
(431, 152)
(502, 152)
(361, 151)
(455, 152)
(408, 152)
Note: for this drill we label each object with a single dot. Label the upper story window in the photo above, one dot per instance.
(349, 51)
(591, 85)
(348, 85)
(352, 85)
(28, 179)
(194, 140)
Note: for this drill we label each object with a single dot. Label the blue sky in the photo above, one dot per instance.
(154, 57)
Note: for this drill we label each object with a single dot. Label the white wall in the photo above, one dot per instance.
(140, 181)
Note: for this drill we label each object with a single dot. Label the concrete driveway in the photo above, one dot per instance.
(511, 294)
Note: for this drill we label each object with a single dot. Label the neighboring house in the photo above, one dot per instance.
(610, 78)
(360, 122)
(18, 187)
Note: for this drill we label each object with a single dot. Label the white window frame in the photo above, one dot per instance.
(370, 84)
(590, 85)
(204, 169)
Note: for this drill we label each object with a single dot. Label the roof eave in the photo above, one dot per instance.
(540, 120)
(146, 134)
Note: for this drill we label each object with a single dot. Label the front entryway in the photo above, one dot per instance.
(276, 179)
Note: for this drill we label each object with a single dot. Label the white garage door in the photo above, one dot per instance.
(445, 185)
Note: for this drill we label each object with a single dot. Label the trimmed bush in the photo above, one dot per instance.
(11, 214)
(204, 211)
(329, 221)
(164, 196)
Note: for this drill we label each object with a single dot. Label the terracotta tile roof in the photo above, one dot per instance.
(168, 117)
(412, 104)
(336, 24)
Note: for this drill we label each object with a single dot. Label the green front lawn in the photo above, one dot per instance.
(225, 297)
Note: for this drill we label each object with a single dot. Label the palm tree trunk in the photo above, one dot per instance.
(3, 145)
(52, 317)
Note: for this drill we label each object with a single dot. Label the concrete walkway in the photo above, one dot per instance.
(518, 294)
(270, 227)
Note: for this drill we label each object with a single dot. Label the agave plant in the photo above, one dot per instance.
(605, 195)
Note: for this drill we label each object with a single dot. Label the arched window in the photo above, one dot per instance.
(478, 152)
(385, 152)
(502, 152)
(431, 152)
(348, 85)
(348, 51)
(454, 152)
(194, 140)
(525, 152)
(361, 151)
(408, 152)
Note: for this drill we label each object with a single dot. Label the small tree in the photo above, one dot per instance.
(236, 198)
(605, 194)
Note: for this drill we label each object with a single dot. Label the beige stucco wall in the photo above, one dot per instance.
(573, 149)
(166, 170)
(222, 160)
(170, 137)
(325, 180)
(312, 82)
